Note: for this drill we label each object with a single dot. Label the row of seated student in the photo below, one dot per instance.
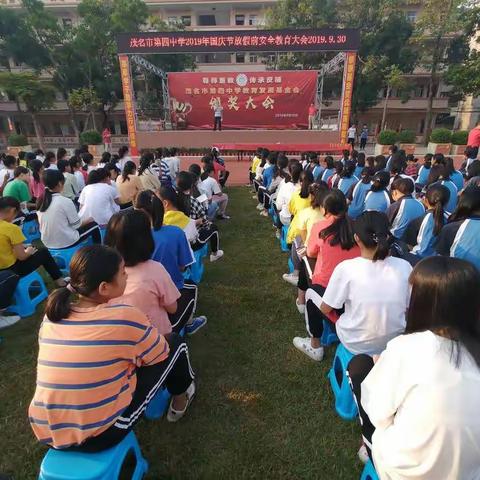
(67, 222)
(398, 280)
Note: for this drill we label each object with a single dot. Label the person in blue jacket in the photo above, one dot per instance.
(424, 170)
(460, 238)
(329, 169)
(358, 192)
(360, 165)
(405, 208)
(346, 179)
(438, 174)
(378, 198)
(314, 166)
(268, 170)
(422, 233)
(454, 175)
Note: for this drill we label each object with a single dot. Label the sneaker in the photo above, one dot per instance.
(195, 325)
(175, 415)
(222, 216)
(291, 278)
(264, 213)
(216, 256)
(278, 234)
(260, 206)
(255, 197)
(363, 454)
(304, 345)
(9, 321)
(300, 307)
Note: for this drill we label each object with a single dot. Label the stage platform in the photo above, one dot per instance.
(207, 138)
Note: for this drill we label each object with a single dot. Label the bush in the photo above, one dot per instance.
(387, 137)
(460, 137)
(16, 140)
(90, 137)
(406, 136)
(441, 135)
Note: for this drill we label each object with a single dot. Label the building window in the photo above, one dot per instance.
(111, 127)
(411, 16)
(187, 20)
(123, 127)
(272, 57)
(207, 20)
(239, 19)
(67, 22)
(253, 58)
(253, 20)
(172, 20)
(240, 58)
(420, 91)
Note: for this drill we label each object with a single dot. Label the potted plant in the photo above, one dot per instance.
(406, 139)
(94, 141)
(17, 143)
(385, 139)
(440, 141)
(459, 142)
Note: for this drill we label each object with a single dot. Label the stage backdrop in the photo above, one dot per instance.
(250, 100)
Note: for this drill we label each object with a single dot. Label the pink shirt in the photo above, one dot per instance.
(150, 288)
(36, 188)
(328, 257)
(474, 137)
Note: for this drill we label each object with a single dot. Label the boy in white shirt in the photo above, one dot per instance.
(212, 190)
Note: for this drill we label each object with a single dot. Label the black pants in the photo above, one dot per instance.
(207, 234)
(357, 370)
(41, 258)
(351, 141)
(313, 316)
(88, 230)
(8, 283)
(261, 194)
(363, 143)
(217, 123)
(304, 282)
(186, 306)
(223, 178)
(175, 373)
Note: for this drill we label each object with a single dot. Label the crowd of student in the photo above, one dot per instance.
(387, 254)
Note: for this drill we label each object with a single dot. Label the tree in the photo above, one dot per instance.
(394, 78)
(32, 92)
(86, 100)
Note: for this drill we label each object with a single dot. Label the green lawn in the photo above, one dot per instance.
(263, 410)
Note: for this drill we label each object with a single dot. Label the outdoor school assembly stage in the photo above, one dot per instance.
(270, 107)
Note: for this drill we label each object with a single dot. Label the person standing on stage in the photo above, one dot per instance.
(218, 114)
(312, 114)
(351, 135)
(363, 137)
(107, 139)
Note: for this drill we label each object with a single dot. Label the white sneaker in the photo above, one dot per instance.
(304, 345)
(291, 278)
(264, 213)
(278, 234)
(300, 307)
(175, 415)
(259, 206)
(9, 320)
(363, 454)
(216, 256)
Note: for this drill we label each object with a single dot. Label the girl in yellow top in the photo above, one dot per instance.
(300, 200)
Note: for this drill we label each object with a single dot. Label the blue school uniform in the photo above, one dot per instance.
(358, 171)
(173, 251)
(402, 213)
(358, 199)
(423, 174)
(346, 183)
(317, 172)
(377, 201)
(426, 239)
(327, 174)
(452, 201)
(268, 176)
(457, 178)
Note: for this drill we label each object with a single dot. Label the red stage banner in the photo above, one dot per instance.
(250, 100)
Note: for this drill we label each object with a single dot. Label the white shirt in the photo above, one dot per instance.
(121, 163)
(52, 166)
(97, 201)
(425, 411)
(210, 187)
(191, 231)
(352, 131)
(173, 165)
(376, 297)
(218, 111)
(285, 192)
(59, 223)
(4, 172)
(80, 180)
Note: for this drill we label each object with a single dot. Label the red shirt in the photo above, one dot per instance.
(312, 110)
(474, 137)
(217, 168)
(328, 257)
(107, 136)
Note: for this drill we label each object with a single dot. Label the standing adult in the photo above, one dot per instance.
(218, 115)
(474, 139)
(107, 139)
(363, 137)
(312, 114)
(352, 135)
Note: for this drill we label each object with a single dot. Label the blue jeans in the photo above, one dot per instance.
(212, 210)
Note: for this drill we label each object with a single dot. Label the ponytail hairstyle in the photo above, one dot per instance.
(87, 159)
(348, 169)
(61, 153)
(49, 159)
(295, 169)
(128, 169)
(306, 179)
(318, 190)
(473, 169)
(169, 194)
(329, 162)
(145, 161)
(449, 168)
(89, 268)
(338, 167)
(438, 159)
(373, 230)
(361, 159)
(36, 168)
(380, 181)
(436, 174)
(468, 204)
(370, 162)
(97, 176)
(122, 151)
(397, 165)
(51, 180)
(279, 167)
(367, 174)
(380, 163)
(427, 161)
(438, 196)
(75, 163)
(106, 157)
(184, 184)
(354, 155)
(340, 232)
(149, 203)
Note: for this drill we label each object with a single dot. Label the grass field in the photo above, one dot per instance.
(263, 410)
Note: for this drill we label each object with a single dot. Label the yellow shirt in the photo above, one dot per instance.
(10, 235)
(177, 218)
(255, 163)
(297, 203)
(303, 222)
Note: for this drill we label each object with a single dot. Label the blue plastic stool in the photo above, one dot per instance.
(30, 291)
(369, 472)
(103, 232)
(329, 337)
(275, 217)
(283, 239)
(158, 405)
(106, 465)
(197, 268)
(31, 230)
(290, 265)
(344, 402)
(63, 256)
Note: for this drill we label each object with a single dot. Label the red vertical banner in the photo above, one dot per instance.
(346, 108)
(129, 103)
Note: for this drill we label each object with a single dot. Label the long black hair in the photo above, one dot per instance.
(318, 191)
(49, 159)
(128, 169)
(35, 167)
(329, 162)
(340, 232)
(373, 229)
(51, 179)
(306, 179)
(441, 288)
(149, 203)
(171, 195)
(90, 266)
(348, 169)
(145, 161)
(468, 204)
(380, 181)
(438, 196)
(295, 169)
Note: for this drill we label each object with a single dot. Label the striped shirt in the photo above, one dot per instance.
(86, 371)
